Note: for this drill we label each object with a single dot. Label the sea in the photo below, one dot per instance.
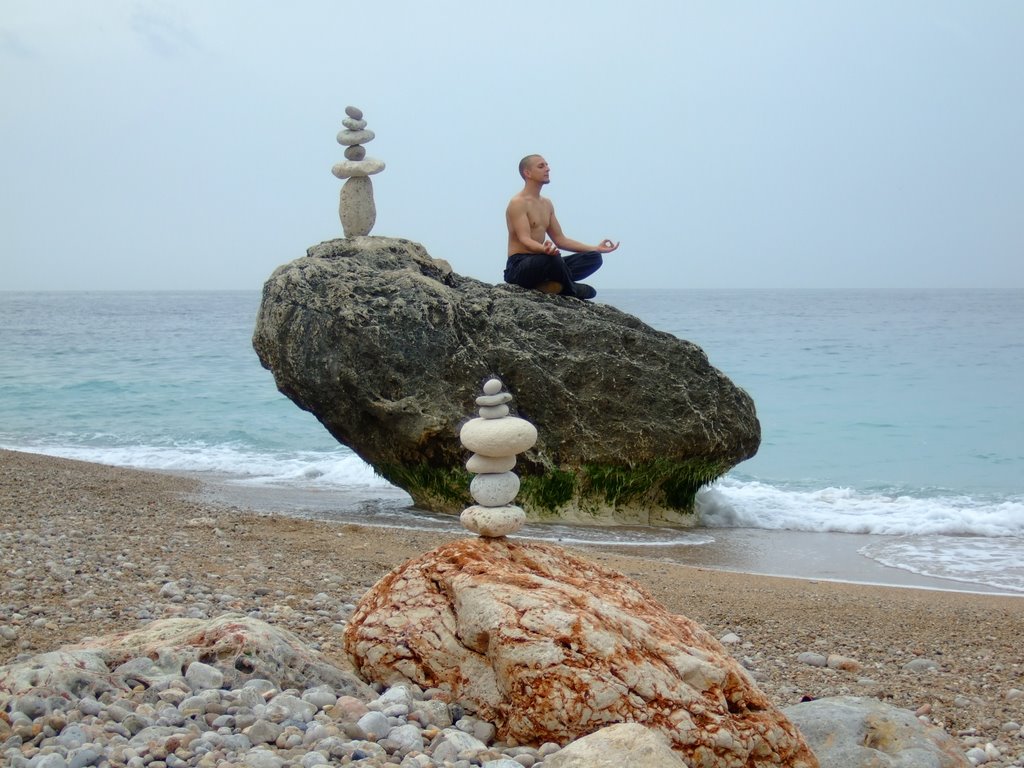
(892, 423)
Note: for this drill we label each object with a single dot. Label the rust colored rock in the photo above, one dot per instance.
(551, 647)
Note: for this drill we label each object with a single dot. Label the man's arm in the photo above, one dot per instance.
(519, 225)
(568, 244)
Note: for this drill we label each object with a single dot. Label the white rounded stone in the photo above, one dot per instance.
(353, 125)
(493, 521)
(349, 168)
(494, 490)
(348, 138)
(493, 411)
(478, 464)
(356, 208)
(492, 386)
(495, 437)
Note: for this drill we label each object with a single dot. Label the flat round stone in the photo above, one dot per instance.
(498, 437)
(348, 138)
(493, 411)
(492, 386)
(494, 490)
(498, 399)
(349, 168)
(355, 152)
(478, 464)
(354, 125)
(493, 521)
(354, 112)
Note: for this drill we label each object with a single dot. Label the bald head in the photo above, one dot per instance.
(527, 163)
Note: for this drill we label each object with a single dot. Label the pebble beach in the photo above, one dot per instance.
(89, 550)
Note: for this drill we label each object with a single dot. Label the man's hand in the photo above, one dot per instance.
(550, 248)
(606, 246)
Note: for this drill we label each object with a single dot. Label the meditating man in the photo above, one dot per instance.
(534, 261)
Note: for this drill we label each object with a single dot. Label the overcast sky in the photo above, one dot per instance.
(850, 143)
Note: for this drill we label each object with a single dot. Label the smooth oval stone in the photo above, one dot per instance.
(354, 112)
(346, 169)
(356, 208)
(492, 386)
(497, 437)
(354, 125)
(493, 411)
(494, 490)
(355, 152)
(498, 399)
(478, 464)
(493, 521)
(348, 138)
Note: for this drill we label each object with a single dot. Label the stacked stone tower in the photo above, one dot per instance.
(495, 438)
(356, 207)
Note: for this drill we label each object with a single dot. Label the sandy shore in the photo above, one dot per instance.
(87, 550)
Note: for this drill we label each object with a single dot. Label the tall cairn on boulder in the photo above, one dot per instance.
(356, 208)
(495, 438)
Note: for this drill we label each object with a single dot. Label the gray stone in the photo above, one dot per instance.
(494, 490)
(202, 676)
(354, 125)
(375, 723)
(454, 743)
(478, 464)
(492, 386)
(350, 138)
(263, 732)
(812, 659)
(498, 399)
(851, 732)
(493, 411)
(356, 208)
(407, 737)
(263, 758)
(352, 168)
(434, 335)
(355, 152)
(921, 665)
(320, 696)
(354, 112)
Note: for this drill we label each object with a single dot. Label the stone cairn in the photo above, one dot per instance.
(495, 438)
(356, 207)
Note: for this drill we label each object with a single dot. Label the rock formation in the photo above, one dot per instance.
(550, 647)
(852, 732)
(356, 208)
(386, 346)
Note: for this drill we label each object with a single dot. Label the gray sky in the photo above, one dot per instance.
(849, 143)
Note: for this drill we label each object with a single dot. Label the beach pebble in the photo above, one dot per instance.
(492, 386)
(493, 521)
(349, 138)
(498, 437)
(494, 490)
(350, 168)
(353, 125)
(493, 411)
(202, 676)
(812, 659)
(354, 112)
(499, 399)
(921, 665)
(729, 638)
(844, 663)
(478, 464)
(355, 152)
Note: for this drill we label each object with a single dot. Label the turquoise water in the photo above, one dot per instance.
(894, 413)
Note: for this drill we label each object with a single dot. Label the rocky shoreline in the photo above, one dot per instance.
(89, 550)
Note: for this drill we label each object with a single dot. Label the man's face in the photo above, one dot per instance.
(539, 170)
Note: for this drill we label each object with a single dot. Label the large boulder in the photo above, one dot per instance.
(238, 647)
(551, 647)
(853, 732)
(388, 348)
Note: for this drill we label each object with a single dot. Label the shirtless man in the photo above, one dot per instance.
(535, 261)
